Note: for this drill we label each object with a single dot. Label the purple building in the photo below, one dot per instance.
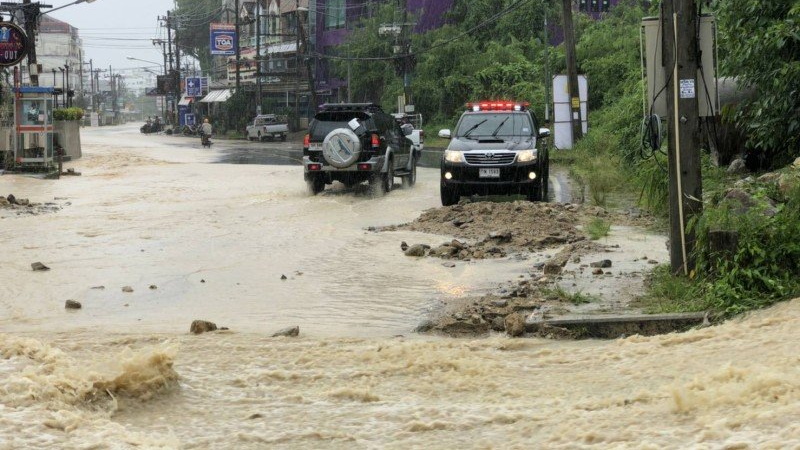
(333, 19)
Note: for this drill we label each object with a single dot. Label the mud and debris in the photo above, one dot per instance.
(12, 206)
(565, 263)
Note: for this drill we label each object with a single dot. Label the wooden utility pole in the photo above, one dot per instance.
(572, 73)
(680, 52)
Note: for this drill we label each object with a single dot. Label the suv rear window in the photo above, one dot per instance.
(327, 121)
(495, 124)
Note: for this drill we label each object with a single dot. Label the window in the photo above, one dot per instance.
(335, 14)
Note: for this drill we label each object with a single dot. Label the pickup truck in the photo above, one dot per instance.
(417, 135)
(267, 126)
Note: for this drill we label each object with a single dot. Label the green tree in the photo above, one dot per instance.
(761, 39)
(367, 57)
(194, 18)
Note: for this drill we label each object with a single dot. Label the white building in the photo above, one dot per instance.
(59, 52)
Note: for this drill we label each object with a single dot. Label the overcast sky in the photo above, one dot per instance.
(114, 29)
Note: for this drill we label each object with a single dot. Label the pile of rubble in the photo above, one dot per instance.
(12, 205)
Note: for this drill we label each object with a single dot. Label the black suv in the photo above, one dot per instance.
(494, 152)
(356, 142)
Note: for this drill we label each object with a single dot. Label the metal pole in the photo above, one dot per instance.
(66, 93)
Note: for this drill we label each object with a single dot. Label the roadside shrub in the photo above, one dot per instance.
(73, 113)
(596, 166)
(764, 267)
(598, 228)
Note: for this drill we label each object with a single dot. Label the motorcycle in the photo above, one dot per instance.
(151, 127)
(205, 140)
(191, 130)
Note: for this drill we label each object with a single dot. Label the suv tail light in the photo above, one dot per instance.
(306, 141)
(421, 136)
(376, 142)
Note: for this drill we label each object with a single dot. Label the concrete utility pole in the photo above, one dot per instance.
(297, 67)
(547, 80)
(680, 52)
(238, 51)
(312, 87)
(258, 56)
(405, 42)
(32, 11)
(572, 73)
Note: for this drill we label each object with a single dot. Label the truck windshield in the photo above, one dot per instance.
(325, 122)
(500, 124)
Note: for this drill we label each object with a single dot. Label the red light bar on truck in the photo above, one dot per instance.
(498, 105)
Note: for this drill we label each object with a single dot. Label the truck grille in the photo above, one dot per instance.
(490, 158)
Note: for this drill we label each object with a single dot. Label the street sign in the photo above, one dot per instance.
(223, 39)
(194, 87)
(13, 44)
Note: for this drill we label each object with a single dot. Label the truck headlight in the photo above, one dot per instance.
(453, 156)
(526, 155)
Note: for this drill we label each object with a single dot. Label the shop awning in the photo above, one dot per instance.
(185, 101)
(217, 95)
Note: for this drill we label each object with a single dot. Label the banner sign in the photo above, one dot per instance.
(223, 39)
(13, 44)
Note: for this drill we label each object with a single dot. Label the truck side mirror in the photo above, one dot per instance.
(445, 134)
(544, 132)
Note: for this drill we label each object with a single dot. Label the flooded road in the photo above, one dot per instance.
(214, 240)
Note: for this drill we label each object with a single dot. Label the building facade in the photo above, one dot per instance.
(286, 41)
(60, 53)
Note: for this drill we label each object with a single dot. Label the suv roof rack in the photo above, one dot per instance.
(350, 107)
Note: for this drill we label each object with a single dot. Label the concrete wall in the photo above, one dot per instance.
(68, 135)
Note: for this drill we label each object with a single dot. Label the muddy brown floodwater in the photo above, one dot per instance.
(214, 241)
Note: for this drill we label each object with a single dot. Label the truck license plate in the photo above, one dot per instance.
(489, 173)
(315, 147)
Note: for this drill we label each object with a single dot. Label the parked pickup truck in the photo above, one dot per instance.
(267, 126)
(417, 135)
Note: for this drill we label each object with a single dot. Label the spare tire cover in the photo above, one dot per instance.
(341, 148)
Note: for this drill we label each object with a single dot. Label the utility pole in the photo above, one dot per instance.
(548, 81)
(258, 57)
(238, 51)
(312, 87)
(31, 12)
(91, 82)
(405, 42)
(572, 73)
(113, 95)
(680, 52)
(172, 101)
(177, 75)
(297, 67)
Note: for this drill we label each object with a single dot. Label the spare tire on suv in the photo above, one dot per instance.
(341, 148)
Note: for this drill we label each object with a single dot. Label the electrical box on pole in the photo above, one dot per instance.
(652, 61)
